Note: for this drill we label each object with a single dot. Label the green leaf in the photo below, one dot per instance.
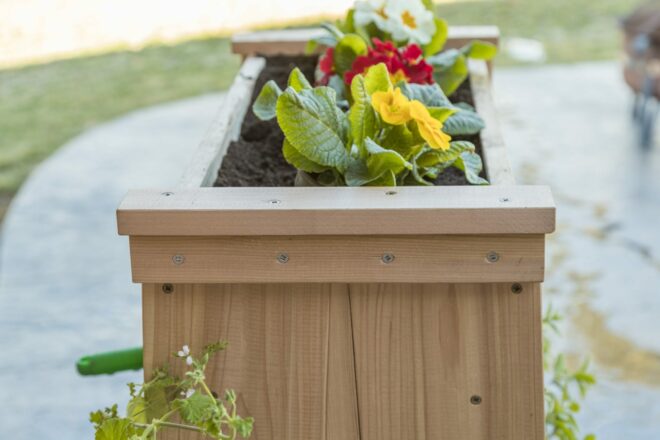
(381, 160)
(333, 30)
(196, 408)
(452, 76)
(480, 50)
(377, 79)
(439, 38)
(357, 173)
(386, 179)
(463, 122)
(442, 113)
(298, 160)
(348, 48)
(115, 429)
(297, 80)
(444, 59)
(265, 104)
(136, 410)
(362, 116)
(431, 95)
(432, 158)
(314, 125)
(470, 164)
(400, 139)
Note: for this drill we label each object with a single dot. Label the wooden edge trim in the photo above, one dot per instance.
(293, 41)
(338, 211)
(203, 168)
(368, 259)
(493, 151)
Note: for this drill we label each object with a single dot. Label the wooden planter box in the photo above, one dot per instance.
(351, 313)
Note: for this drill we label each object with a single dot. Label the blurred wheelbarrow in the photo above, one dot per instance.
(642, 66)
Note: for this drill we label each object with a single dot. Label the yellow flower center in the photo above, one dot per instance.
(382, 12)
(409, 20)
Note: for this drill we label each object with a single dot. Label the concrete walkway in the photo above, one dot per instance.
(66, 287)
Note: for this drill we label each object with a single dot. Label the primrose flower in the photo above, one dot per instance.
(371, 11)
(409, 20)
(393, 106)
(327, 66)
(429, 127)
(185, 353)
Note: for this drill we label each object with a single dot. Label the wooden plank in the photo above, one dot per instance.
(203, 168)
(293, 41)
(290, 353)
(327, 259)
(338, 211)
(493, 152)
(422, 352)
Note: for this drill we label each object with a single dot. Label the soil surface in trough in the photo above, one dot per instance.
(255, 159)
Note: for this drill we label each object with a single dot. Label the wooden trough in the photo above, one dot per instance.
(351, 313)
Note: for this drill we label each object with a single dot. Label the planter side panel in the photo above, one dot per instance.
(290, 353)
(424, 353)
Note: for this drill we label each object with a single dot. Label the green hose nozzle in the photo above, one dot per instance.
(110, 362)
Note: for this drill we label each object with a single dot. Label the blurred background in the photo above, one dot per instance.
(99, 96)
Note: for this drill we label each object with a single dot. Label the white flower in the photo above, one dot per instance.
(371, 11)
(185, 353)
(189, 360)
(410, 21)
(187, 393)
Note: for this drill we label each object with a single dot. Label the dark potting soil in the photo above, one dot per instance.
(255, 159)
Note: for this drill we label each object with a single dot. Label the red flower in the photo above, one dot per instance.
(326, 66)
(406, 64)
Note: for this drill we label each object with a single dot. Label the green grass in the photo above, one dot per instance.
(43, 106)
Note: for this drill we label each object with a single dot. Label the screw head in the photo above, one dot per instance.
(168, 288)
(387, 258)
(505, 199)
(167, 193)
(475, 400)
(178, 259)
(390, 193)
(516, 288)
(273, 202)
(492, 257)
(282, 258)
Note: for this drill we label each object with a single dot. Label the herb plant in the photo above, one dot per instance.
(391, 134)
(168, 402)
(412, 30)
(562, 384)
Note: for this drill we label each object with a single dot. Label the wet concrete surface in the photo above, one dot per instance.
(65, 289)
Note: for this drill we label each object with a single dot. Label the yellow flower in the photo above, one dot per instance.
(429, 127)
(392, 106)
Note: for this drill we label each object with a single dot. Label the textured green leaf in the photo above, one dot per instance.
(450, 70)
(298, 160)
(470, 163)
(362, 116)
(115, 429)
(431, 95)
(386, 179)
(480, 50)
(463, 122)
(444, 59)
(314, 125)
(439, 38)
(136, 410)
(432, 157)
(196, 408)
(357, 173)
(442, 113)
(265, 104)
(348, 48)
(377, 79)
(297, 80)
(400, 139)
(381, 160)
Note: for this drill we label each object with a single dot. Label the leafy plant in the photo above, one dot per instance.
(392, 134)
(189, 401)
(409, 26)
(562, 384)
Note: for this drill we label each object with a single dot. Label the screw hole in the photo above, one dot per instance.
(167, 194)
(282, 258)
(178, 259)
(274, 201)
(505, 199)
(516, 288)
(493, 257)
(475, 400)
(387, 258)
(390, 193)
(168, 288)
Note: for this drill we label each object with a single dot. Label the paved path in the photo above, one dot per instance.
(66, 287)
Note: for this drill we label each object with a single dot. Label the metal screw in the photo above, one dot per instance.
(178, 259)
(387, 258)
(475, 400)
(274, 201)
(167, 194)
(504, 199)
(516, 288)
(390, 193)
(492, 257)
(168, 288)
(282, 258)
